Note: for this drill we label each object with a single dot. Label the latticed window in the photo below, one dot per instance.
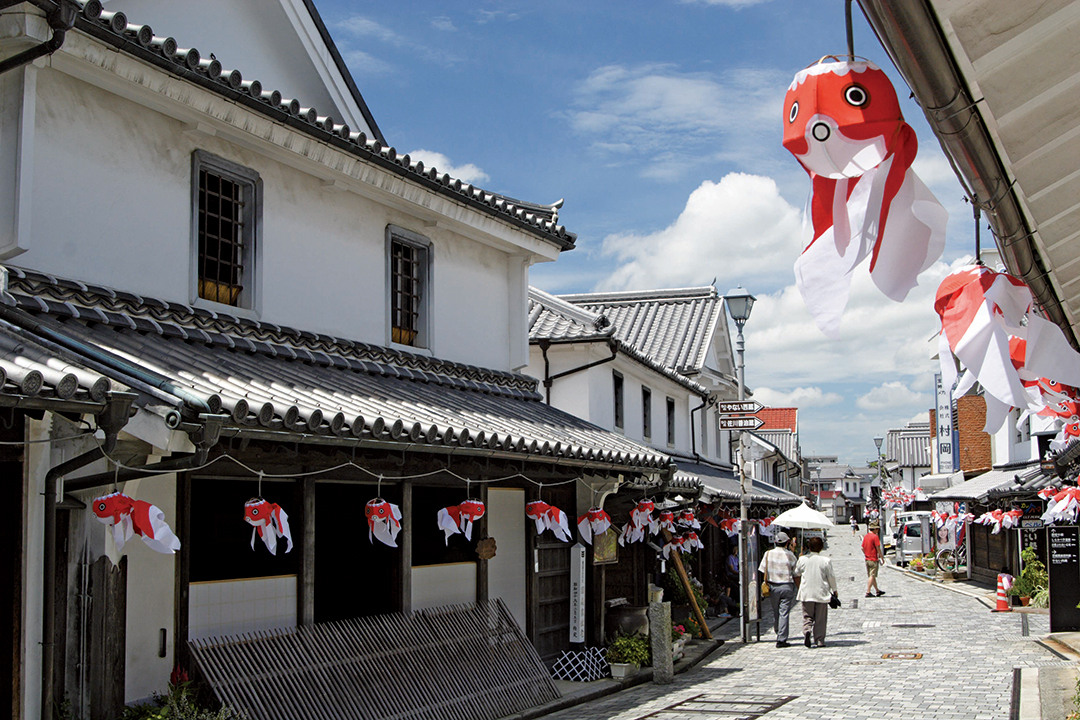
(405, 280)
(225, 201)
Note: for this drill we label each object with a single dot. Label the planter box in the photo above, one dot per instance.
(623, 670)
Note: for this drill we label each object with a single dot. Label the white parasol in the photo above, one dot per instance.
(803, 517)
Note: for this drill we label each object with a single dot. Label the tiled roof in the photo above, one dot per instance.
(673, 327)
(909, 446)
(33, 375)
(786, 418)
(553, 319)
(274, 379)
(140, 41)
(724, 486)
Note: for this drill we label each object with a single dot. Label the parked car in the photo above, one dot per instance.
(913, 536)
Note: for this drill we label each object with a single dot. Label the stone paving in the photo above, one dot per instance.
(965, 671)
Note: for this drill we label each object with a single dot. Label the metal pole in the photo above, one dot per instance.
(744, 505)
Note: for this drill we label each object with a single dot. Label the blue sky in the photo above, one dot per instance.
(660, 124)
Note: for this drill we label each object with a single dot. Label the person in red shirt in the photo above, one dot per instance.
(875, 558)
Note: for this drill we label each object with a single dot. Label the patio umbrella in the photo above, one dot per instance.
(803, 517)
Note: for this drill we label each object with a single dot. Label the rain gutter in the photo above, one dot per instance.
(61, 18)
(911, 34)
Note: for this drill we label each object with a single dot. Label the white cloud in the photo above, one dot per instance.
(890, 396)
(361, 26)
(467, 173)
(443, 23)
(656, 114)
(738, 230)
(800, 397)
(362, 63)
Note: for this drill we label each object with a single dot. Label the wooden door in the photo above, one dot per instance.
(550, 604)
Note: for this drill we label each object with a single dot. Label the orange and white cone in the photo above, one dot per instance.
(1002, 598)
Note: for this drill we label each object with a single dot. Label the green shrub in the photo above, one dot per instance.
(1033, 577)
(632, 649)
(178, 703)
(694, 628)
(674, 590)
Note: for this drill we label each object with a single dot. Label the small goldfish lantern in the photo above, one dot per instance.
(384, 521)
(269, 522)
(842, 122)
(548, 517)
(460, 518)
(594, 522)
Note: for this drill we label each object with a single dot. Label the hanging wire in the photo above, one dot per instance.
(850, 30)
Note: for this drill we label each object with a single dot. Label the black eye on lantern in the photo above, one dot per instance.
(793, 112)
(856, 95)
(101, 507)
(254, 511)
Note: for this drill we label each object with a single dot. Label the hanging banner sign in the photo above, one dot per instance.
(577, 593)
(944, 427)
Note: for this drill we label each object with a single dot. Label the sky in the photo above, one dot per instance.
(660, 125)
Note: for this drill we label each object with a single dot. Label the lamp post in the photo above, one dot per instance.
(739, 303)
(877, 491)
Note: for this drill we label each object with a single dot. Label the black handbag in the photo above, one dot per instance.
(834, 601)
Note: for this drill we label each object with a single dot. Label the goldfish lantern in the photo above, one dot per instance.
(460, 518)
(691, 541)
(687, 519)
(594, 522)
(677, 542)
(988, 324)
(1062, 506)
(383, 520)
(548, 517)
(128, 517)
(642, 516)
(269, 522)
(842, 122)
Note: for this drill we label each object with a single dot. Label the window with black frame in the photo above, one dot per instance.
(671, 421)
(409, 286)
(226, 204)
(646, 413)
(617, 387)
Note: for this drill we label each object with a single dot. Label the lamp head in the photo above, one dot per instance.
(877, 442)
(739, 304)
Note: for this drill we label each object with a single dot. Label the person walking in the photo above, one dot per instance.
(816, 589)
(778, 567)
(875, 558)
(854, 525)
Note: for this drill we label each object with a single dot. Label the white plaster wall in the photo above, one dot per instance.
(150, 596)
(260, 44)
(37, 463)
(438, 585)
(229, 607)
(506, 571)
(112, 205)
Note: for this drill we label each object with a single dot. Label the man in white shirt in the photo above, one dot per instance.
(778, 567)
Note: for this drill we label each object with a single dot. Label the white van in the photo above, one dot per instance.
(913, 535)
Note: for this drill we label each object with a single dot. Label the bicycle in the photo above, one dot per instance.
(951, 559)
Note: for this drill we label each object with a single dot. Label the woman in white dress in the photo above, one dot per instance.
(815, 590)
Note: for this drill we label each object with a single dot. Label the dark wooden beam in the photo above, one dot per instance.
(305, 583)
(405, 540)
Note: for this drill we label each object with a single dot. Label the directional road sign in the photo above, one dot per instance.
(741, 423)
(739, 407)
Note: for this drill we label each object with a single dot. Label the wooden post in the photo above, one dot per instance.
(305, 591)
(480, 531)
(406, 543)
(689, 590)
(183, 572)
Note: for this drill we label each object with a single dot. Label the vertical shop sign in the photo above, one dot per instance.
(1064, 572)
(1034, 537)
(577, 593)
(944, 427)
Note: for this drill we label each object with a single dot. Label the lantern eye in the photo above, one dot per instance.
(254, 511)
(793, 112)
(856, 95)
(101, 506)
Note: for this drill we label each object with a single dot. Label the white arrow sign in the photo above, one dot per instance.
(739, 407)
(741, 423)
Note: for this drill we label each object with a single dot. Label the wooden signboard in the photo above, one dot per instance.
(577, 593)
(1064, 572)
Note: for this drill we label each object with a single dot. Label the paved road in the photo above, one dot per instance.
(965, 670)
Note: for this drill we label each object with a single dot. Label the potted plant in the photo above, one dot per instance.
(679, 638)
(1033, 577)
(626, 654)
(917, 563)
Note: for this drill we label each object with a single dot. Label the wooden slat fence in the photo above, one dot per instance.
(459, 662)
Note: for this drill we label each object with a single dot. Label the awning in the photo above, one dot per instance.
(722, 485)
(994, 481)
(278, 383)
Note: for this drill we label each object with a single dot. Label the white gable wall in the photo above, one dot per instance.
(272, 41)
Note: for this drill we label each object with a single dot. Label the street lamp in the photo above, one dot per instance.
(877, 490)
(739, 303)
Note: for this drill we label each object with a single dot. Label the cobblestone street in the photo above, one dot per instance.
(965, 669)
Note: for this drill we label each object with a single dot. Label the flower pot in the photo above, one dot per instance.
(1024, 600)
(623, 670)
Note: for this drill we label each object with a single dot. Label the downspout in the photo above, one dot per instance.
(693, 429)
(61, 18)
(111, 420)
(549, 379)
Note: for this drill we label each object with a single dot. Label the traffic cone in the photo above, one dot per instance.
(1002, 598)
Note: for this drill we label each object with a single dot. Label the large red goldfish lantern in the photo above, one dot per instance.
(548, 517)
(128, 517)
(842, 121)
(594, 522)
(460, 518)
(383, 520)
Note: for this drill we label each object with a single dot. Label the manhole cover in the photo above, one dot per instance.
(722, 705)
(902, 656)
(912, 625)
